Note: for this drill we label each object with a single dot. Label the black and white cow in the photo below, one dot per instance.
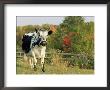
(34, 46)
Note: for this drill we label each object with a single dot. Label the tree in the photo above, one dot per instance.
(45, 26)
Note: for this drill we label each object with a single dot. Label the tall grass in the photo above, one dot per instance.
(57, 61)
(24, 68)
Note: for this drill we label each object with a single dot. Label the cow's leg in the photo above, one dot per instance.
(42, 64)
(31, 62)
(42, 58)
(34, 60)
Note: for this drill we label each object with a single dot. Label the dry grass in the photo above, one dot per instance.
(58, 62)
(24, 68)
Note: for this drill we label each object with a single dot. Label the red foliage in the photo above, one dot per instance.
(67, 41)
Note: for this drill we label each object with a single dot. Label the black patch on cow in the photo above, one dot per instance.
(36, 42)
(26, 41)
(43, 43)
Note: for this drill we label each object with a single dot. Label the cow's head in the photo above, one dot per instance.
(43, 35)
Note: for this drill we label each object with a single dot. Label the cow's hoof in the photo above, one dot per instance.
(43, 70)
(35, 68)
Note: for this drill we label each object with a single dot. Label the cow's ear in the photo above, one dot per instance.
(36, 30)
(50, 32)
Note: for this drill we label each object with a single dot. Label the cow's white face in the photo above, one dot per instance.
(43, 35)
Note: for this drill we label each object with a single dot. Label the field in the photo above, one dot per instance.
(22, 67)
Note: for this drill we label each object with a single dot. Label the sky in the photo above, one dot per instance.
(39, 20)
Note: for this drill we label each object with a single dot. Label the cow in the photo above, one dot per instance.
(34, 46)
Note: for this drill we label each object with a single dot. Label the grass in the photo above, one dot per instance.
(22, 67)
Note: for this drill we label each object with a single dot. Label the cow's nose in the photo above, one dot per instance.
(43, 43)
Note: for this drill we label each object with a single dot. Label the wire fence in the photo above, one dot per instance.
(81, 60)
(64, 55)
